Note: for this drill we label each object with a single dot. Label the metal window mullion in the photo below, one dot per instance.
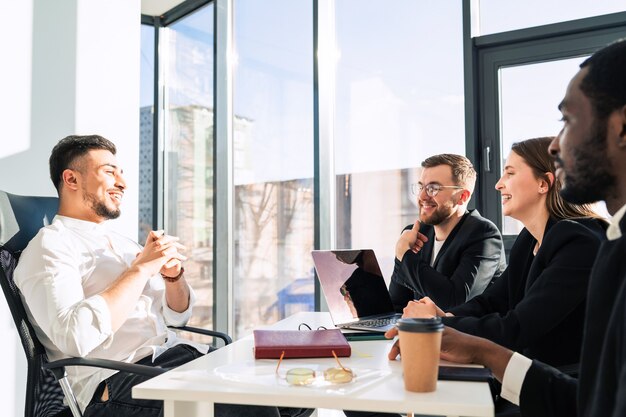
(472, 146)
(158, 186)
(223, 259)
(164, 206)
(324, 49)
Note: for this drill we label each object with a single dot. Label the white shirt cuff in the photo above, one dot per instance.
(514, 375)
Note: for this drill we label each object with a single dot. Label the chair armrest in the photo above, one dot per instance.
(58, 367)
(226, 338)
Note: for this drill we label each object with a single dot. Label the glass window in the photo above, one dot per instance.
(529, 96)
(188, 200)
(273, 161)
(399, 99)
(146, 133)
(501, 16)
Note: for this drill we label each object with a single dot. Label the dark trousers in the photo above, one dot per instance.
(121, 403)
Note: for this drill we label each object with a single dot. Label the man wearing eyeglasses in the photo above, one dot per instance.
(451, 253)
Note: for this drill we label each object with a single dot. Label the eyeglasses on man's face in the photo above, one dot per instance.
(307, 376)
(432, 189)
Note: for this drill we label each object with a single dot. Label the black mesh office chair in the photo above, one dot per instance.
(21, 217)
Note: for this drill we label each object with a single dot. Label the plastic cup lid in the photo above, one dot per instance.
(420, 325)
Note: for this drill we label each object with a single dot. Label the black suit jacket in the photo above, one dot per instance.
(601, 389)
(471, 256)
(537, 306)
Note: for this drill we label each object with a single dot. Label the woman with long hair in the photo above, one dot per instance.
(537, 305)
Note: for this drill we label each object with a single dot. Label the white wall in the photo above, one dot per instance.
(68, 67)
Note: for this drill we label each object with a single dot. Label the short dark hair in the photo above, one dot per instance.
(605, 82)
(463, 172)
(71, 148)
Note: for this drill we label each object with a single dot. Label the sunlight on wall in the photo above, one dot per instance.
(15, 76)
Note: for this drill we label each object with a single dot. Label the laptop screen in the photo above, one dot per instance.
(352, 284)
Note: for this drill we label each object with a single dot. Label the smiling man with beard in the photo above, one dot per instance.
(90, 292)
(450, 254)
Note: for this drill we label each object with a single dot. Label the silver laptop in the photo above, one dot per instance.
(354, 288)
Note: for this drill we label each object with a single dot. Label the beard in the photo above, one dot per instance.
(437, 217)
(100, 208)
(588, 178)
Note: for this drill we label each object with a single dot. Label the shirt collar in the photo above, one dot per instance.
(614, 232)
(73, 223)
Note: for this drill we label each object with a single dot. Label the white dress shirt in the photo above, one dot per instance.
(518, 365)
(60, 275)
(437, 245)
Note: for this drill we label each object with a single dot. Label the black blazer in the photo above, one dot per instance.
(537, 306)
(601, 388)
(471, 256)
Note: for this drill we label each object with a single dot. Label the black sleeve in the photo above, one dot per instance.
(620, 405)
(400, 294)
(404, 286)
(606, 395)
(548, 392)
(479, 260)
(620, 390)
(494, 299)
(559, 288)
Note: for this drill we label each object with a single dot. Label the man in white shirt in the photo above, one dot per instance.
(590, 154)
(90, 292)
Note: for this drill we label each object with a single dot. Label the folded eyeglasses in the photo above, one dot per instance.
(306, 376)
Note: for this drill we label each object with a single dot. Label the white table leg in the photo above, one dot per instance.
(188, 409)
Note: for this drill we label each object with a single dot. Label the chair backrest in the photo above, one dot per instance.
(21, 217)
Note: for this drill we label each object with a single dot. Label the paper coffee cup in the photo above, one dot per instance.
(420, 343)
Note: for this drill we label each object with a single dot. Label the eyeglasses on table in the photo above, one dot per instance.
(306, 376)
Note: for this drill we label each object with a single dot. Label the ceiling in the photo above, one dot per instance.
(158, 7)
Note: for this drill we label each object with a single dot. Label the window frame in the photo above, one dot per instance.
(483, 57)
(492, 52)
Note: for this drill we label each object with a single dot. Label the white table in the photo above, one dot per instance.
(192, 389)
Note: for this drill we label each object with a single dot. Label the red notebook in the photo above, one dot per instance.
(269, 344)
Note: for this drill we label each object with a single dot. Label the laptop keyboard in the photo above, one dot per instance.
(382, 322)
